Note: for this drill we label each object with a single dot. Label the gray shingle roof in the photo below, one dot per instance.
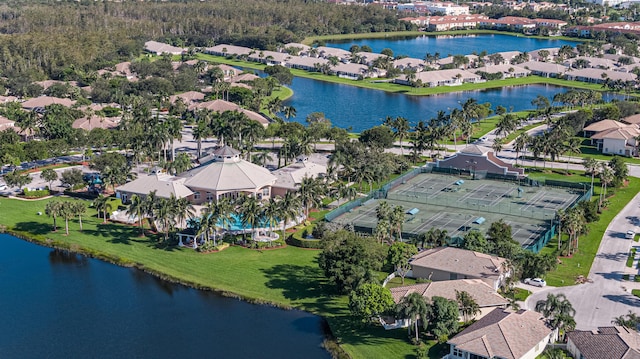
(607, 342)
(480, 291)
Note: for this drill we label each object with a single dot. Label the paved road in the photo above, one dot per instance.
(597, 303)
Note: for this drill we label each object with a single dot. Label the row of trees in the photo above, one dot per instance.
(65, 210)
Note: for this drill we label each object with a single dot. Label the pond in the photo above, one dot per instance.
(446, 45)
(61, 305)
(359, 109)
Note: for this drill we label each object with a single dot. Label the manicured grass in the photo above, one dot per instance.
(632, 255)
(288, 277)
(580, 263)
(636, 292)
(636, 238)
(521, 294)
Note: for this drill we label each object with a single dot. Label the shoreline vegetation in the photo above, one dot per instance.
(405, 34)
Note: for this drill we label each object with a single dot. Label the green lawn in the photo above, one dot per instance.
(632, 255)
(580, 263)
(636, 292)
(287, 277)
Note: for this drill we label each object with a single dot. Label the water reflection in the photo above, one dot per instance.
(62, 257)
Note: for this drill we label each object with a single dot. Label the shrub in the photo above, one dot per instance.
(305, 243)
(36, 193)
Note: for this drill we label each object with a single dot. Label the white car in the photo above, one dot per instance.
(537, 282)
(3, 187)
(630, 234)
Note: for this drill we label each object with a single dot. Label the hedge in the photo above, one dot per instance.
(304, 243)
(36, 193)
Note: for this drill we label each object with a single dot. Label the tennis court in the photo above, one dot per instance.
(459, 205)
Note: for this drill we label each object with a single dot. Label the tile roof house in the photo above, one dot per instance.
(453, 77)
(159, 48)
(187, 97)
(545, 69)
(502, 334)
(632, 120)
(95, 121)
(290, 177)
(605, 342)
(6, 123)
(228, 50)
(222, 106)
(507, 70)
(599, 76)
(450, 263)
(483, 294)
(39, 103)
(614, 137)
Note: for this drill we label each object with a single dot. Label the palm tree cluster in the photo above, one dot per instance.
(557, 141)
(573, 223)
(390, 222)
(361, 164)
(558, 312)
(66, 210)
(165, 212)
(581, 98)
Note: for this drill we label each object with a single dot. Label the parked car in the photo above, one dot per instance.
(630, 234)
(537, 282)
(3, 187)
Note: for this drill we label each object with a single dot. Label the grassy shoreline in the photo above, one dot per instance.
(400, 34)
(287, 278)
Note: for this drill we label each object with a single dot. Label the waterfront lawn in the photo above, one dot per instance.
(287, 277)
(580, 263)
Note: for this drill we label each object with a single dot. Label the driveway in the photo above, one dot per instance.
(608, 296)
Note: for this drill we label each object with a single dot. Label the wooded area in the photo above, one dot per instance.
(65, 40)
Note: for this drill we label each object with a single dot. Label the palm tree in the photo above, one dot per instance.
(591, 166)
(67, 211)
(184, 210)
(497, 145)
(289, 209)
(520, 144)
(225, 211)
(468, 306)
(397, 220)
(208, 222)
(309, 193)
(289, 112)
(165, 213)
(414, 307)
(53, 209)
(102, 205)
(573, 146)
(79, 209)
(250, 213)
(606, 177)
(271, 212)
(137, 209)
(383, 228)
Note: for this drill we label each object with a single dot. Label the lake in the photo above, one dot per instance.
(359, 109)
(60, 305)
(446, 45)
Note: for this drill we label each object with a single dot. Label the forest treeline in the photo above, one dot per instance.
(61, 40)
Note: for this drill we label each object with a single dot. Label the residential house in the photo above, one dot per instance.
(446, 8)
(544, 69)
(297, 48)
(551, 52)
(159, 48)
(632, 120)
(409, 63)
(601, 126)
(444, 23)
(605, 342)
(618, 141)
(599, 76)
(482, 293)
(552, 24)
(187, 98)
(450, 263)
(221, 106)
(503, 334)
(509, 22)
(306, 63)
(353, 71)
(228, 50)
(6, 124)
(229, 71)
(327, 52)
(95, 121)
(506, 70)
(290, 177)
(270, 58)
(39, 103)
(453, 77)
